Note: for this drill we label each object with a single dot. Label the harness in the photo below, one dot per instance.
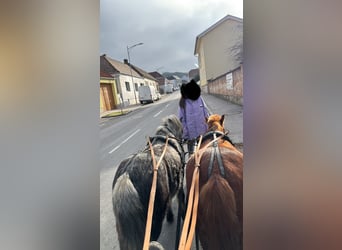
(191, 212)
(177, 146)
(215, 151)
(193, 199)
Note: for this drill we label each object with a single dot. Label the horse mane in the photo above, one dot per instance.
(171, 126)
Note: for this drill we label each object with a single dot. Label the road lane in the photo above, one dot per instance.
(129, 137)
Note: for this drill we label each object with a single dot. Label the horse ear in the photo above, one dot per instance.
(222, 120)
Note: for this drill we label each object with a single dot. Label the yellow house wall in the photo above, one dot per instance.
(215, 56)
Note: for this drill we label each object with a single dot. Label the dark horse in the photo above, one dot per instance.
(132, 185)
(219, 220)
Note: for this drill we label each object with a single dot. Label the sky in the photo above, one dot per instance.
(167, 29)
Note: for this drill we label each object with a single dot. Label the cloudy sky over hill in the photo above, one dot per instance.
(168, 30)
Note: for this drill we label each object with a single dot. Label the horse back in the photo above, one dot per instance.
(233, 165)
(221, 200)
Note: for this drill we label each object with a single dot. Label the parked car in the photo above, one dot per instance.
(148, 94)
(168, 88)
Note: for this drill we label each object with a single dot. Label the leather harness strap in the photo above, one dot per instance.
(152, 194)
(191, 212)
(211, 134)
(215, 153)
(177, 145)
(178, 148)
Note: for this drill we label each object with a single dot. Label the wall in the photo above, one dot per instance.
(216, 53)
(128, 96)
(218, 87)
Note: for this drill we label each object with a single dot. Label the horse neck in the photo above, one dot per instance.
(174, 142)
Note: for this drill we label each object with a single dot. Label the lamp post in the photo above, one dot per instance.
(130, 67)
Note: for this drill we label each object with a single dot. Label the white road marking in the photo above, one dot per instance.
(124, 141)
(161, 110)
(158, 113)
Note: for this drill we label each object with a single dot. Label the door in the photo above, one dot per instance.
(106, 97)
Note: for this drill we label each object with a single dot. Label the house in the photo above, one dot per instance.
(126, 79)
(160, 79)
(220, 58)
(163, 82)
(185, 79)
(149, 80)
(108, 92)
(194, 74)
(177, 82)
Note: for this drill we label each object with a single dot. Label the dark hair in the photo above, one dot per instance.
(183, 96)
(182, 102)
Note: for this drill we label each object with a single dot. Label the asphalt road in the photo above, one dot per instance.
(120, 137)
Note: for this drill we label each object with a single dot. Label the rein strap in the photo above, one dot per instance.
(187, 238)
(152, 194)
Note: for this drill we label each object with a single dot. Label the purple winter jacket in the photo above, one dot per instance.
(193, 118)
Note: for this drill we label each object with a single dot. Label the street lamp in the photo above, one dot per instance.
(130, 68)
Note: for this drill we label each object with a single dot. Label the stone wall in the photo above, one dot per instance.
(220, 88)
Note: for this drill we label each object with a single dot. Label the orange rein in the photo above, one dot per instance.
(152, 194)
(186, 239)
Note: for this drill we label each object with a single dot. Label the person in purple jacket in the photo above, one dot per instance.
(192, 113)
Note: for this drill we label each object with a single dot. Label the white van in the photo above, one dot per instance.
(148, 94)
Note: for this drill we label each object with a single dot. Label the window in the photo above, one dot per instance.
(229, 81)
(136, 86)
(128, 87)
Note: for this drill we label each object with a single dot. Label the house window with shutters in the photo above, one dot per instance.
(128, 87)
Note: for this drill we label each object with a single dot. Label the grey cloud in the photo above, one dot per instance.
(168, 34)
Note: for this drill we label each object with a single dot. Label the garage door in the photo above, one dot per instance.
(106, 97)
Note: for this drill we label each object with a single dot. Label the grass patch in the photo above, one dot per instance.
(115, 113)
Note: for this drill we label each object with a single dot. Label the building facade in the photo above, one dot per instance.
(220, 57)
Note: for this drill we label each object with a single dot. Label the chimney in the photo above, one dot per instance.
(126, 61)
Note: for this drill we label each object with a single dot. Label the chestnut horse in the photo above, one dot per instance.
(219, 218)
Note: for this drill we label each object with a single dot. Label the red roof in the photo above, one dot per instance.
(104, 74)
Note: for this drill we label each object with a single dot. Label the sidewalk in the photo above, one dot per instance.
(233, 121)
(119, 111)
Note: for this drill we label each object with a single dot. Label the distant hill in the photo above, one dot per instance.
(179, 74)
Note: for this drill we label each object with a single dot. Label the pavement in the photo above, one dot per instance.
(233, 121)
(233, 115)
